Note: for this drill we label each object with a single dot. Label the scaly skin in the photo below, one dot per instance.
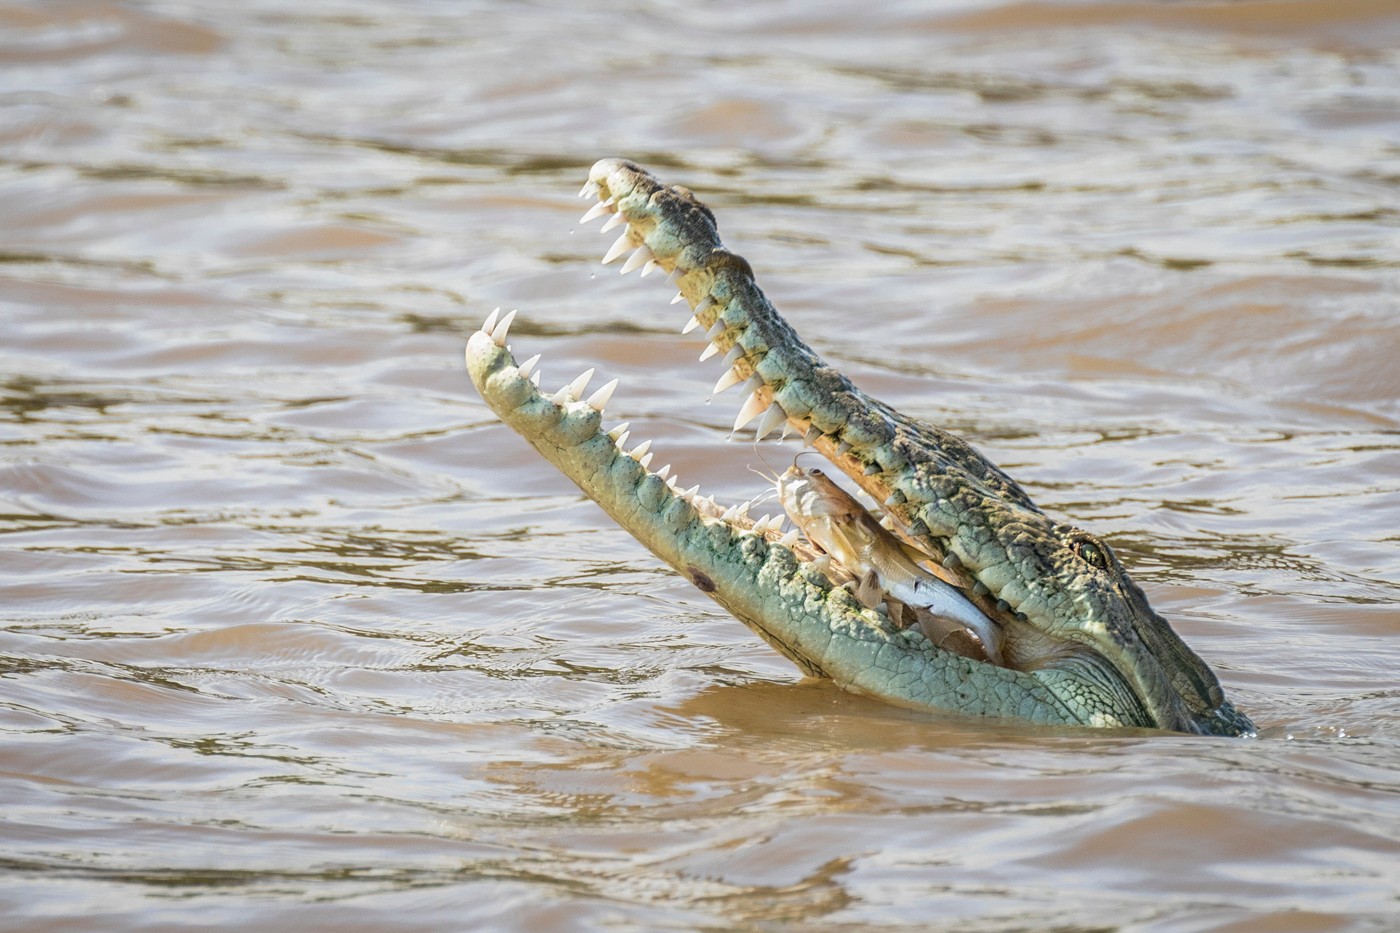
(1082, 645)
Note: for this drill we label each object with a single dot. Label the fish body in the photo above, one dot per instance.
(883, 565)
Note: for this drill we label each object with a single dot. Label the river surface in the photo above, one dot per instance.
(296, 636)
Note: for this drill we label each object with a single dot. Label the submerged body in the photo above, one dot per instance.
(1066, 637)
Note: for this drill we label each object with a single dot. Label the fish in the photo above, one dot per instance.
(886, 567)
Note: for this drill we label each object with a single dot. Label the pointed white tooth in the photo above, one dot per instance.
(590, 189)
(733, 355)
(596, 211)
(678, 299)
(646, 461)
(745, 506)
(599, 399)
(535, 378)
(691, 324)
(674, 483)
(640, 450)
(822, 563)
(705, 304)
(692, 492)
(842, 447)
(760, 526)
(730, 378)
(673, 276)
(651, 264)
(789, 539)
(527, 366)
(580, 383)
(753, 407)
(561, 397)
(730, 513)
(778, 522)
(664, 471)
(615, 221)
(490, 324)
(716, 329)
(640, 257)
(622, 245)
(503, 328)
(708, 352)
(774, 417)
(621, 440)
(620, 429)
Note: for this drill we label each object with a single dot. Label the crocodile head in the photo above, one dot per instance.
(1080, 643)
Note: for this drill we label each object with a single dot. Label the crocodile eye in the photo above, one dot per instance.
(1091, 553)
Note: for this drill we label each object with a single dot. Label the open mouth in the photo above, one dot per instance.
(910, 587)
(950, 590)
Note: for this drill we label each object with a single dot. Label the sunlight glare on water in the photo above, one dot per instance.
(296, 635)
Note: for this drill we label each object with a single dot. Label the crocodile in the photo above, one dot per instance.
(1080, 644)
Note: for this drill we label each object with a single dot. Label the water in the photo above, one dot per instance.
(296, 636)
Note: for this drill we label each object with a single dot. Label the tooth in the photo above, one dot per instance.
(777, 522)
(753, 407)
(871, 469)
(651, 264)
(622, 245)
(490, 324)
(598, 399)
(715, 330)
(708, 352)
(896, 498)
(640, 257)
(730, 378)
(733, 355)
(503, 328)
(745, 506)
(561, 397)
(692, 492)
(616, 220)
(821, 564)
(691, 324)
(730, 514)
(646, 461)
(705, 304)
(596, 211)
(590, 189)
(621, 440)
(771, 419)
(664, 471)
(580, 383)
(535, 378)
(674, 483)
(678, 299)
(527, 366)
(640, 450)
(789, 539)
(813, 433)
(620, 429)
(842, 447)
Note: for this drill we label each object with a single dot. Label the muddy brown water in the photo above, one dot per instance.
(296, 636)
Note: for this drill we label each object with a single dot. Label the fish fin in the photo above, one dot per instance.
(951, 635)
(867, 590)
(895, 608)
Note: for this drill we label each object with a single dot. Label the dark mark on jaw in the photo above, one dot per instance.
(705, 584)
